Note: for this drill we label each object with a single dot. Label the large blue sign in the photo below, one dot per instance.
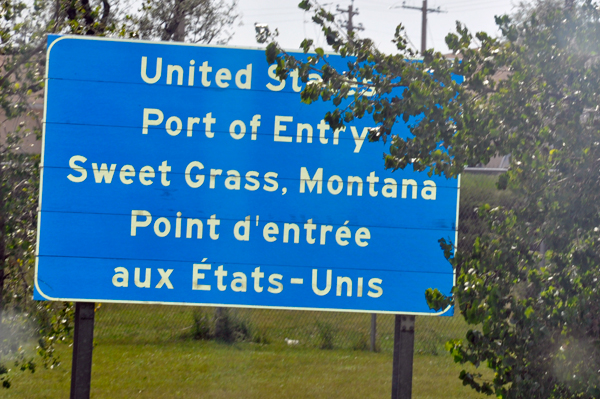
(185, 174)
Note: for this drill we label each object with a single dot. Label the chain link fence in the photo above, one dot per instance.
(340, 337)
(155, 324)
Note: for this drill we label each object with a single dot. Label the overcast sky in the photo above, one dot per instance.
(378, 17)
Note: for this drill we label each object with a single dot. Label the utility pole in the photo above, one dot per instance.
(350, 28)
(424, 10)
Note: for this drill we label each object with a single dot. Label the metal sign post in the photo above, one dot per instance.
(374, 332)
(404, 346)
(83, 343)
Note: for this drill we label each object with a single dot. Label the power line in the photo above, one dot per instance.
(431, 36)
(472, 2)
(465, 9)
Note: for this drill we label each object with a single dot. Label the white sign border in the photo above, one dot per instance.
(39, 221)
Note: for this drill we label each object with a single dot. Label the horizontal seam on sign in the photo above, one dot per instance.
(286, 133)
(449, 230)
(248, 264)
(229, 88)
(278, 177)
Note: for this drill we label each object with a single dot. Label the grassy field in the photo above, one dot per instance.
(211, 370)
(147, 352)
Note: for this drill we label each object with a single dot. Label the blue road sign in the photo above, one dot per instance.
(185, 174)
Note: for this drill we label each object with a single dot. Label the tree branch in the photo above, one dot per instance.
(23, 59)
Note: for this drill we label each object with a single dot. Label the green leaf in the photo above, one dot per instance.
(272, 52)
(305, 5)
(529, 312)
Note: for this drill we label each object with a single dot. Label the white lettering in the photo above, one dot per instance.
(282, 128)
(316, 180)
(77, 168)
(121, 277)
(151, 122)
(196, 275)
(157, 72)
(377, 290)
(315, 288)
(103, 173)
(243, 78)
(199, 177)
(134, 222)
(164, 279)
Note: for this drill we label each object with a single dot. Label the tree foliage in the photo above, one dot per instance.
(530, 284)
(192, 21)
(23, 32)
(24, 27)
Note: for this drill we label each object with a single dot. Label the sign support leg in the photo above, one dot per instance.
(404, 346)
(81, 371)
(374, 332)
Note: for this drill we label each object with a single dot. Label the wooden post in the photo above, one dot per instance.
(404, 346)
(81, 371)
(374, 332)
(424, 28)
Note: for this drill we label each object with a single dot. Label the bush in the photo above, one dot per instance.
(201, 326)
(325, 332)
(230, 327)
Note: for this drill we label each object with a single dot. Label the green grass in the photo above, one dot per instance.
(211, 370)
(146, 352)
